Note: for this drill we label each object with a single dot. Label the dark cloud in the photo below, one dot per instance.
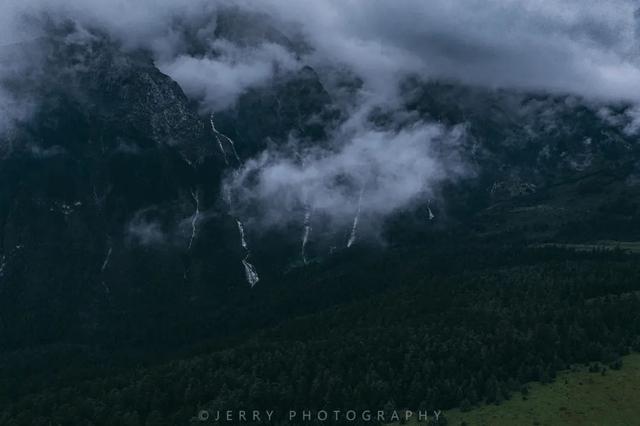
(217, 50)
(584, 47)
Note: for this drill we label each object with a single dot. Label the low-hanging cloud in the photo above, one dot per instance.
(203, 45)
(583, 47)
(218, 81)
(383, 170)
(216, 50)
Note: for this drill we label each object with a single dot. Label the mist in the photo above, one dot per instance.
(585, 47)
(218, 50)
(381, 169)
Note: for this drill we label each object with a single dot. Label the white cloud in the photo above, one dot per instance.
(143, 231)
(219, 80)
(393, 168)
(582, 47)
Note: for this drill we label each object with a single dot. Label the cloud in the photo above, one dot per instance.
(216, 50)
(584, 47)
(213, 50)
(218, 80)
(382, 169)
(18, 69)
(144, 231)
(628, 119)
(11, 110)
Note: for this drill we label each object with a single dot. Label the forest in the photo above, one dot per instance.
(438, 330)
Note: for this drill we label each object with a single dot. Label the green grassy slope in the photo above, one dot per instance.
(576, 397)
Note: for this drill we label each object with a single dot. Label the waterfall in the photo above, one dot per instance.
(354, 228)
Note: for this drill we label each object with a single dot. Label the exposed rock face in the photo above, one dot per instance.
(296, 105)
(533, 149)
(103, 169)
(110, 210)
(112, 225)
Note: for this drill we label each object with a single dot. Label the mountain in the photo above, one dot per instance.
(550, 168)
(111, 194)
(119, 247)
(111, 191)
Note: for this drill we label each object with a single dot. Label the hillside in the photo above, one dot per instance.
(576, 397)
(219, 204)
(470, 331)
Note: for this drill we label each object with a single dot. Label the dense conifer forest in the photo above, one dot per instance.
(442, 331)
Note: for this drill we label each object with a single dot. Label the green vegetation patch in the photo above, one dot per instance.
(626, 246)
(577, 397)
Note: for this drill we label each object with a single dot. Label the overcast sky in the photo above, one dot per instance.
(585, 47)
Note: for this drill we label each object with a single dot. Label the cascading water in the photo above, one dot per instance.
(250, 271)
(221, 138)
(105, 264)
(195, 218)
(305, 233)
(354, 228)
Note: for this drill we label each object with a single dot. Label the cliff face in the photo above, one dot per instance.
(98, 188)
(547, 167)
(111, 212)
(113, 227)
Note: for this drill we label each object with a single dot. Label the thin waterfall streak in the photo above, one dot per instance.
(243, 241)
(249, 270)
(107, 258)
(233, 147)
(217, 136)
(224, 153)
(195, 218)
(221, 138)
(250, 273)
(354, 228)
(305, 235)
(103, 268)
